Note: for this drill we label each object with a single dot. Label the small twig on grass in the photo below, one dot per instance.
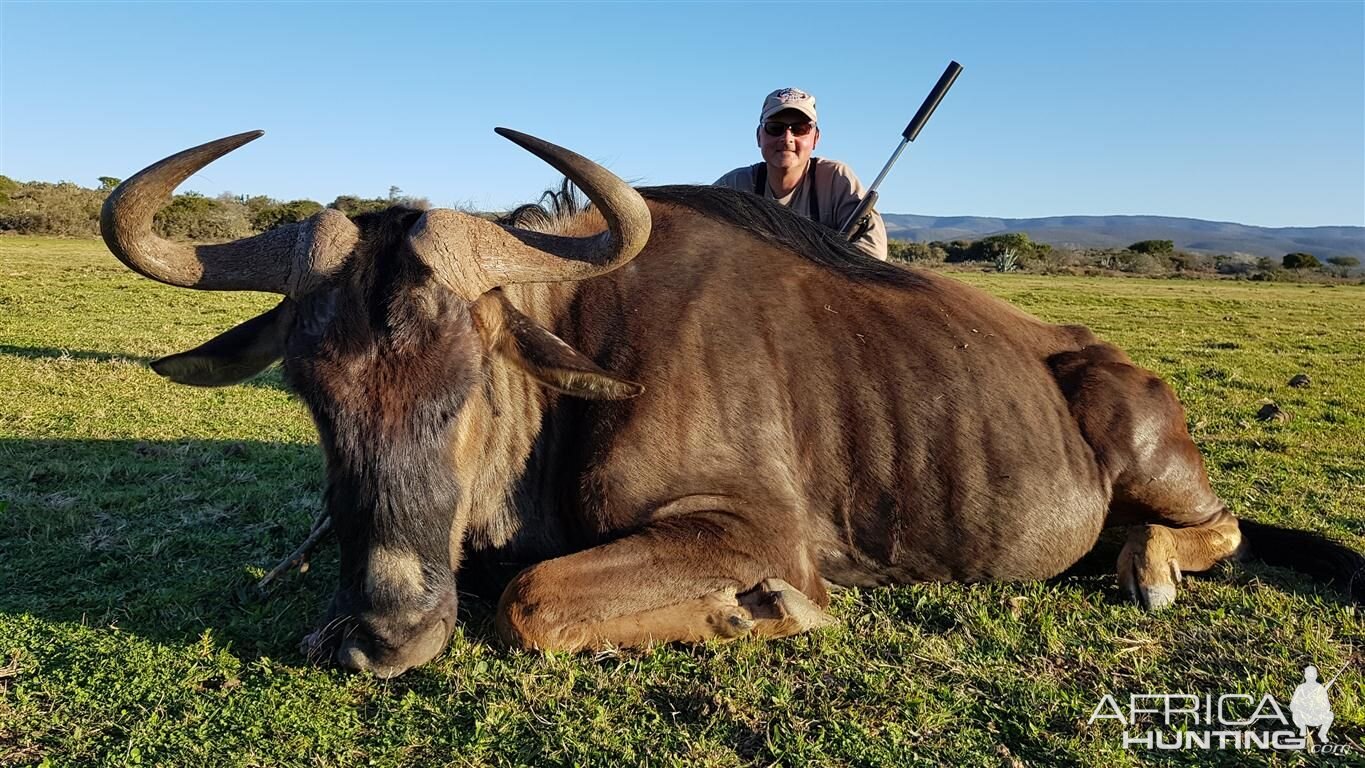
(12, 668)
(321, 526)
(322, 517)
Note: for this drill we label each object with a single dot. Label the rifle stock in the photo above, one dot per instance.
(864, 207)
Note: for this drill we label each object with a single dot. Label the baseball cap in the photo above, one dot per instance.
(788, 98)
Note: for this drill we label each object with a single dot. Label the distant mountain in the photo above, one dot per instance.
(1121, 231)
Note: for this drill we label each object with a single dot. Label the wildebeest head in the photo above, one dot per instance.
(385, 326)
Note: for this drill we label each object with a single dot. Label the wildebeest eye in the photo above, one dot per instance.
(316, 314)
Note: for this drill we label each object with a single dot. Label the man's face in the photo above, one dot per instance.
(788, 149)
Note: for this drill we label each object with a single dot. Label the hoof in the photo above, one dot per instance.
(727, 618)
(738, 624)
(781, 609)
(1153, 592)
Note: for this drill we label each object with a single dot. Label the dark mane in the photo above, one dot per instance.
(780, 225)
(554, 205)
(383, 230)
(751, 213)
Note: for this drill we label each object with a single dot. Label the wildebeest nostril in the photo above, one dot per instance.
(352, 656)
(384, 653)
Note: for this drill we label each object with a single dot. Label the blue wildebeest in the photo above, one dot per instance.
(678, 415)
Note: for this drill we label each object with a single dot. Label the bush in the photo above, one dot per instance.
(66, 209)
(191, 216)
(1301, 261)
(1153, 247)
(354, 206)
(1066, 258)
(1190, 262)
(957, 250)
(1345, 262)
(904, 250)
(40, 208)
(7, 185)
(1104, 258)
(1026, 252)
(1140, 263)
(995, 244)
(271, 216)
(993, 247)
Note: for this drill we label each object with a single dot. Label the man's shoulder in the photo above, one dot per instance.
(833, 174)
(834, 167)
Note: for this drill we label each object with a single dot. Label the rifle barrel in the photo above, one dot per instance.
(887, 168)
(1334, 677)
(945, 81)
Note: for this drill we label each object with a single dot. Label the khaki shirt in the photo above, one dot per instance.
(838, 192)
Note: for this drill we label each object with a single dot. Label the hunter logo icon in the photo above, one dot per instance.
(1310, 707)
(1241, 721)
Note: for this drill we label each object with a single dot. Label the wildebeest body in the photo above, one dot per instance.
(900, 426)
(674, 418)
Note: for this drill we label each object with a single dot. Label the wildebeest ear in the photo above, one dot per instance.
(543, 355)
(234, 356)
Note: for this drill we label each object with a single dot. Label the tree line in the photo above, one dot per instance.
(1013, 251)
(70, 210)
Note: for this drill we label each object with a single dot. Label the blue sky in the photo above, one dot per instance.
(1247, 112)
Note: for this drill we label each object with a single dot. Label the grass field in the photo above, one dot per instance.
(135, 515)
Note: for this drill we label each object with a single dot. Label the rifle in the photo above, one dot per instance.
(1334, 677)
(858, 222)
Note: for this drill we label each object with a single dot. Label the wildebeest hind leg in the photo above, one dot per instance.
(1180, 524)
(1136, 427)
(690, 578)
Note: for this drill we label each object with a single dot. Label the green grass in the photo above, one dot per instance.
(135, 516)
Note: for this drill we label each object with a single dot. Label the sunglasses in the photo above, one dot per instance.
(775, 128)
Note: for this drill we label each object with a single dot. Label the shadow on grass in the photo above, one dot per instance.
(162, 539)
(167, 539)
(270, 379)
(56, 353)
(1097, 569)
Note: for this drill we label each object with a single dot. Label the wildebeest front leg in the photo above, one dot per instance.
(684, 579)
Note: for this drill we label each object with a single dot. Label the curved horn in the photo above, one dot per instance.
(269, 261)
(475, 255)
